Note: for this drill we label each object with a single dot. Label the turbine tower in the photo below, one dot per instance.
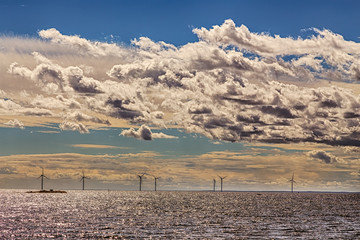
(140, 178)
(83, 180)
(42, 176)
(292, 183)
(155, 179)
(214, 181)
(221, 182)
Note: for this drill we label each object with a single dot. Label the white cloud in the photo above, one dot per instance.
(163, 135)
(53, 78)
(351, 149)
(58, 102)
(145, 133)
(2, 94)
(82, 45)
(79, 116)
(325, 46)
(15, 123)
(232, 84)
(39, 112)
(7, 105)
(73, 126)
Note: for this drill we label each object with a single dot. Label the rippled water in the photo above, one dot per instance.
(179, 215)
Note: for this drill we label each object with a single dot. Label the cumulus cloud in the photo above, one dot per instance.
(325, 157)
(79, 116)
(145, 133)
(58, 102)
(232, 85)
(163, 135)
(323, 48)
(82, 45)
(54, 78)
(351, 149)
(39, 112)
(7, 105)
(73, 126)
(15, 123)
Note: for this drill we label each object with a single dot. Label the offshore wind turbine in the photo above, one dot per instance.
(42, 176)
(292, 183)
(221, 182)
(140, 178)
(155, 179)
(83, 180)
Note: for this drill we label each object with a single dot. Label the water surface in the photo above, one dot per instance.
(179, 215)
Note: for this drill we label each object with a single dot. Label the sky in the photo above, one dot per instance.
(256, 91)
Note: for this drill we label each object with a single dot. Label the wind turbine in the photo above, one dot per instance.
(214, 181)
(155, 178)
(292, 183)
(140, 178)
(42, 176)
(83, 180)
(221, 182)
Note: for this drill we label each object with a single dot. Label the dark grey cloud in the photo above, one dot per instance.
(200, 110)
(214, 122)
(351, 115)
(277, 111)
(84, 85)
(249, 118)
(329, 104)
(121, 111)
(323, 156)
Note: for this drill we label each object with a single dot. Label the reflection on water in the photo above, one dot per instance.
(191, 215)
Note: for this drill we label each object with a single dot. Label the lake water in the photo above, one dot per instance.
(179, 215)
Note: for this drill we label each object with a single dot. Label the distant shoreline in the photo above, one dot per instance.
(47, 191)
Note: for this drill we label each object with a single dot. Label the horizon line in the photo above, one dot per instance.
(184, 190)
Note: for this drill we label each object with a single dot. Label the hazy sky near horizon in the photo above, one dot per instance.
(254, 91)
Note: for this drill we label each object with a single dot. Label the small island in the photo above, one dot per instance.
(47, 191)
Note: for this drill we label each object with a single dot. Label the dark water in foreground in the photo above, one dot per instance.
(179, 215)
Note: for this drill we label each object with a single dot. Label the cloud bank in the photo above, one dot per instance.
(232, 84)
(328, 169)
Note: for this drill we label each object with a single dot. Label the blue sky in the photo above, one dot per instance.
(35, 140)
(254, 90)
(172, 21)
